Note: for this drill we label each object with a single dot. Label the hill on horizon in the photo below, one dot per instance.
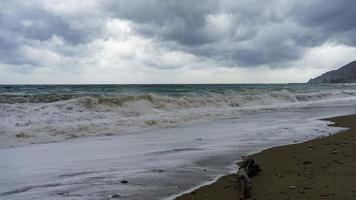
(345, 74)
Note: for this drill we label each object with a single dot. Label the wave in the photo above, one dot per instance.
(212, 100)
(162, 103)
(52, 117)
(38, 98)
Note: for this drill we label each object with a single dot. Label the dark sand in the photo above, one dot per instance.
(322, 168)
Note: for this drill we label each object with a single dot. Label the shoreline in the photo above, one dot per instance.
(321, 168)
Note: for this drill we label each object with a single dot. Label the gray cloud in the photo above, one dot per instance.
(181, 21)
(297, 27)
(330, 19)
(235, 33)
(29, 24)
(330, 15)
(33, 21)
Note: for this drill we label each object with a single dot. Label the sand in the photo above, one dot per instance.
(323, 168)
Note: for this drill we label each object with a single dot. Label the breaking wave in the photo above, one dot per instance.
(52, 117)
(212, 100)
(233, 99)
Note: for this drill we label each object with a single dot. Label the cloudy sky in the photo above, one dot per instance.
(174, 41)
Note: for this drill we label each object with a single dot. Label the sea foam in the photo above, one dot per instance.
(45, 117)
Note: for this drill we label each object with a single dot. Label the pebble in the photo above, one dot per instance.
(279, 175)
(301, 191)
(307, 162)
(292, 187)
(113, 196)
(334, 152)
(124, 182)
(324, 195)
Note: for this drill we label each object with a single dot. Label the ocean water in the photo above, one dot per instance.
(47, 113)
(164, 139)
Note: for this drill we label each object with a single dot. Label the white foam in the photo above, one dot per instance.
(25, 123)
(158, 164)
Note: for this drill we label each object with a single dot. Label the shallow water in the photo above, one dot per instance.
(158, 164)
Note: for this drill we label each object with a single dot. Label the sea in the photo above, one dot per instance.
(149, 141)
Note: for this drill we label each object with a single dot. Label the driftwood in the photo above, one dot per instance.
(248, 168)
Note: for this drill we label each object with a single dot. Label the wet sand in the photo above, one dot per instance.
(323, 168)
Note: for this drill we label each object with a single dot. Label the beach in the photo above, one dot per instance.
(322, 168)
(177, 100)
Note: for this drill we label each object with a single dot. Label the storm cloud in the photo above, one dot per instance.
(169, 34)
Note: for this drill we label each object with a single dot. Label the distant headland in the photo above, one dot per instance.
(345, 74)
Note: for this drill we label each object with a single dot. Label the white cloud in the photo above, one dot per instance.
(27, 23)
(218, 25)
(121, 61)
(73, 8)
(321, 59)
(40, 56)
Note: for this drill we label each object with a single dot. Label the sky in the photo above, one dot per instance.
(173, 41)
